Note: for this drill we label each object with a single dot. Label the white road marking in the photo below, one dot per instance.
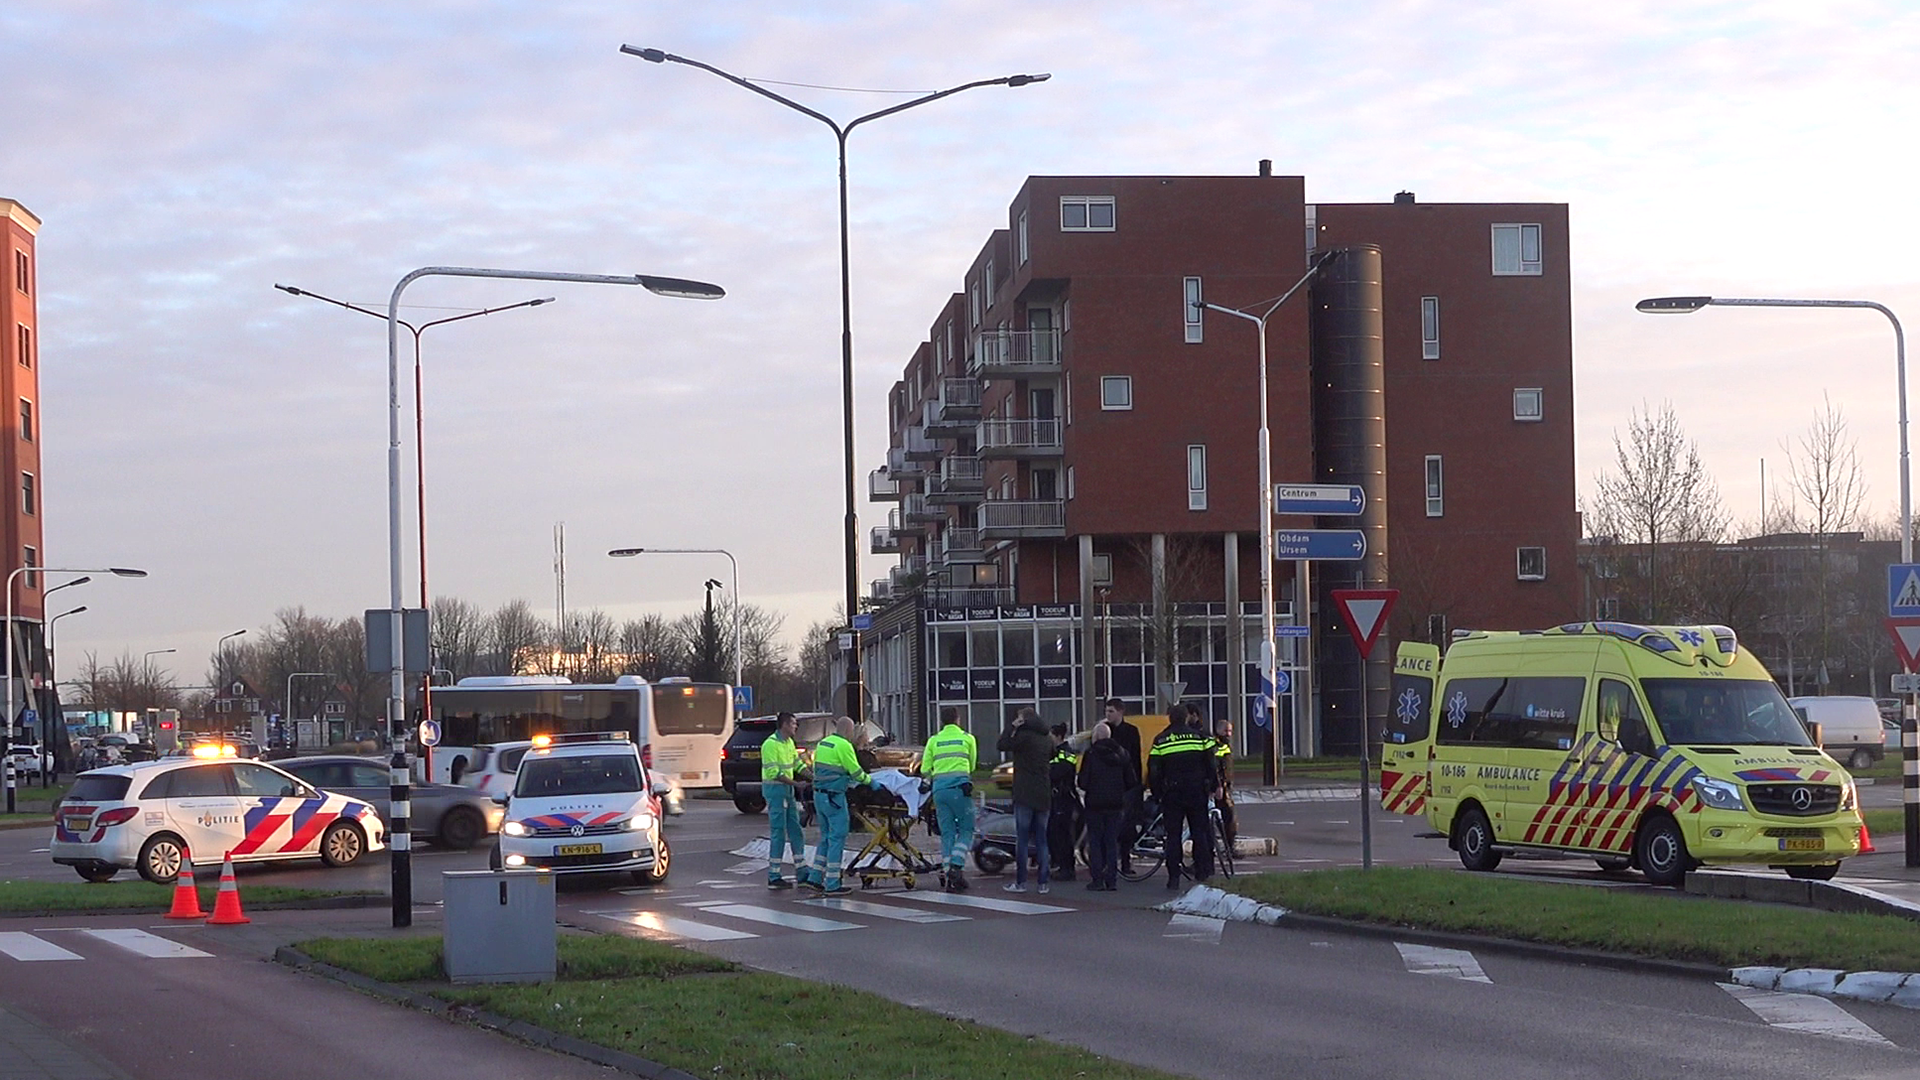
(1803, 1012)
(1195, 928)
(984, 903)
(1433, 960)
(810, 923)
(151, 945)
(862, 907)
(39, 851)
(660, 925)
(22, 946)
(749, 867)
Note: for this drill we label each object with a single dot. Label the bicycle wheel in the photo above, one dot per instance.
(1222, 849)
(1148, 854)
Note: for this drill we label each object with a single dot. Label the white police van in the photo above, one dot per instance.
(585, 804)
(149, 815)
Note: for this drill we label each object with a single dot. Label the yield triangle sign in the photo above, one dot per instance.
(1365, 612)
(1906, 641)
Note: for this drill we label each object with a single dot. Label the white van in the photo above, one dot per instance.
(1850, 727)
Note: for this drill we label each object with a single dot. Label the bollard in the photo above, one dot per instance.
(9, 783)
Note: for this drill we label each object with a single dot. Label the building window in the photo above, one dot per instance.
(1429, 328)
(29, 502)
(1196, 477)
(1532, 563)
(26, 420)
(1045, 484)
(973, 306)
(1086, 213)
(992, 282)
(26, 346)
(1526, 404)
(1103, 571)
(1516, 249)
(30, 557)
(22, 272)
(1606, 608)
(1436, 489)
(1069, 483)
(1193, 310)
(1116, 392)
(1020, 234)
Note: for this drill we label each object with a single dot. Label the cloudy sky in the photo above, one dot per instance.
(231, 439)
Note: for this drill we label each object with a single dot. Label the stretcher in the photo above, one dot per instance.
(888, 854)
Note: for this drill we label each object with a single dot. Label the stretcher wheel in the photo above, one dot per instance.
(866, 883)
(909, 881)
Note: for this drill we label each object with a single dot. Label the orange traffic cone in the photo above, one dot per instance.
(186, 898)
(1866, 840)
(226, 903)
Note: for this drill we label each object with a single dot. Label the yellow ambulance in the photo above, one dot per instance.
(1658, 747)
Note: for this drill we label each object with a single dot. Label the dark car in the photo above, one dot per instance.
(450, 816)
(740, 758)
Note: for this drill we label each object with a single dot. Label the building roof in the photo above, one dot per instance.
(19, 214)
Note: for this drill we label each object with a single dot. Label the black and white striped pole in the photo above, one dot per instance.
(400, 836)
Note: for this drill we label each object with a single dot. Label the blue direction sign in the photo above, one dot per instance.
(743, 699)
(1318, 499)
(862, 622)
(1903, 590)
(1330, 544)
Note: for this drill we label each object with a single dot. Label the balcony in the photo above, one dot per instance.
(959, 480)
(885, 541)
(1019, 438)
(880, 590)
(917, 508)
(902, 467)
(1015, 354)
(911, 572)
(918, 447)
(900, 525)
(882, 487)
(959, 545)
(955, 409)
(960, 596)
(1006, 519)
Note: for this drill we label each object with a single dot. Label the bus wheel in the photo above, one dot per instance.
(1473, 839)
(1662, 852)
(1814, 873)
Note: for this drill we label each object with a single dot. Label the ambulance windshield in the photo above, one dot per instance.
(1724, 712)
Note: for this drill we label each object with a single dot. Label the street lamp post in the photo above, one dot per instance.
(840, 134)
(1269, 701)
(53, 673)
(6, 737)
(1909, 728)
(626, 553)
(401, 842)
(220, 658)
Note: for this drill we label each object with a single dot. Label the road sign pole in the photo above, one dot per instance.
(1365, 613)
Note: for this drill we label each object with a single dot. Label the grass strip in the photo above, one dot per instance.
(1888, 822)
(705, 1016)
(1674, 927)
(22, 897)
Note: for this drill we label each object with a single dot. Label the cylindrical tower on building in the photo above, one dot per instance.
(1350, 447)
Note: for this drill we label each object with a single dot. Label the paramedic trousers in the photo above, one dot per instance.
(783, 828)
(953, 809)
(831, 808)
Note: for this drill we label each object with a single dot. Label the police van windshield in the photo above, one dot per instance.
(1730, 712)
(596, 774)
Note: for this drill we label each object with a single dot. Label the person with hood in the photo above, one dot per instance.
(1109, 778)
(1030, 748)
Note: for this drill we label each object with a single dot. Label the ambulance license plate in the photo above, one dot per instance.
(577, 849)
(1813, 844)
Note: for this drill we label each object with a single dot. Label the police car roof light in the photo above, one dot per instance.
(583, 737)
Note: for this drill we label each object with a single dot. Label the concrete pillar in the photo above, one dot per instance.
(1236, 641)
(1089, 691)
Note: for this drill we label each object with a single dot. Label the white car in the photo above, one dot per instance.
(149, 815)
(494, 766)
(28, 760)
(584, 804)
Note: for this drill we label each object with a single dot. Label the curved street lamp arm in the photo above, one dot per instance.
(656, 56)
(1006, 80)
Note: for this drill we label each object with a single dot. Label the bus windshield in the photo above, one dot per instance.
(1725, 712)
(691, 708)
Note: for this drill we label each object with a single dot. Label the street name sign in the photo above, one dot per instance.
(1327, 544)
(1288, 630)
(1319, 499)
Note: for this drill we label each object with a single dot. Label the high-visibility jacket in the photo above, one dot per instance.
(779, 760)
(836, 766)
(1181, 765)
(1223, 762)
(951, 750)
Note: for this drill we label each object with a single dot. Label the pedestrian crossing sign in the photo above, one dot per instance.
(1903, 590)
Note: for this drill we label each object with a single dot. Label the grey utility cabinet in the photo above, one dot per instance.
(499, 926)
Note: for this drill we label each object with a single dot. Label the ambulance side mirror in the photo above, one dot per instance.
(1635, 738)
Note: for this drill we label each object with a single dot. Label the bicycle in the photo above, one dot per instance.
(1149, 852)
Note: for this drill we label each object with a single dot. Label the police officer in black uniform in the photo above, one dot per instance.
(1184, 775)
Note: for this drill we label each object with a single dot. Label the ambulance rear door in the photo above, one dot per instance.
(1407, 737)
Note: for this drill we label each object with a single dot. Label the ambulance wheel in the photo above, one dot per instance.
(1473, 839)
(1614, 866)
(160, 858)
(98, 872)
(1662, 852)
(1813, 873)
(342, 844)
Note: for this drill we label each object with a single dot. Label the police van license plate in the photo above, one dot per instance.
(77, 824)
(1813, 844)
(577, 849)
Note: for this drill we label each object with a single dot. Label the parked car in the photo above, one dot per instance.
(29, 760)
(740, 758)
(1850, 727)
(450, 816)
(1889, 709)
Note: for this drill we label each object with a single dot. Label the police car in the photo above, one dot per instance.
(148, 815)
(584, 803)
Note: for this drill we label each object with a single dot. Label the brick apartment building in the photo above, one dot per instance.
(20, 458)
(1074, 447)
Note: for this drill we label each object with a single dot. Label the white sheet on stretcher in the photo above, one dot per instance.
(899, 783)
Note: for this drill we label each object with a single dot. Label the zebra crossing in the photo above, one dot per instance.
(723, 918)
(52, 944)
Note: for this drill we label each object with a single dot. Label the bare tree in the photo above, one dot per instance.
(651, 647)
(1829, 489)
(1660, 494)
(459, 635)
(514, 634)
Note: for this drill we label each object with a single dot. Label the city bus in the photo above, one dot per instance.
(679, 725)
